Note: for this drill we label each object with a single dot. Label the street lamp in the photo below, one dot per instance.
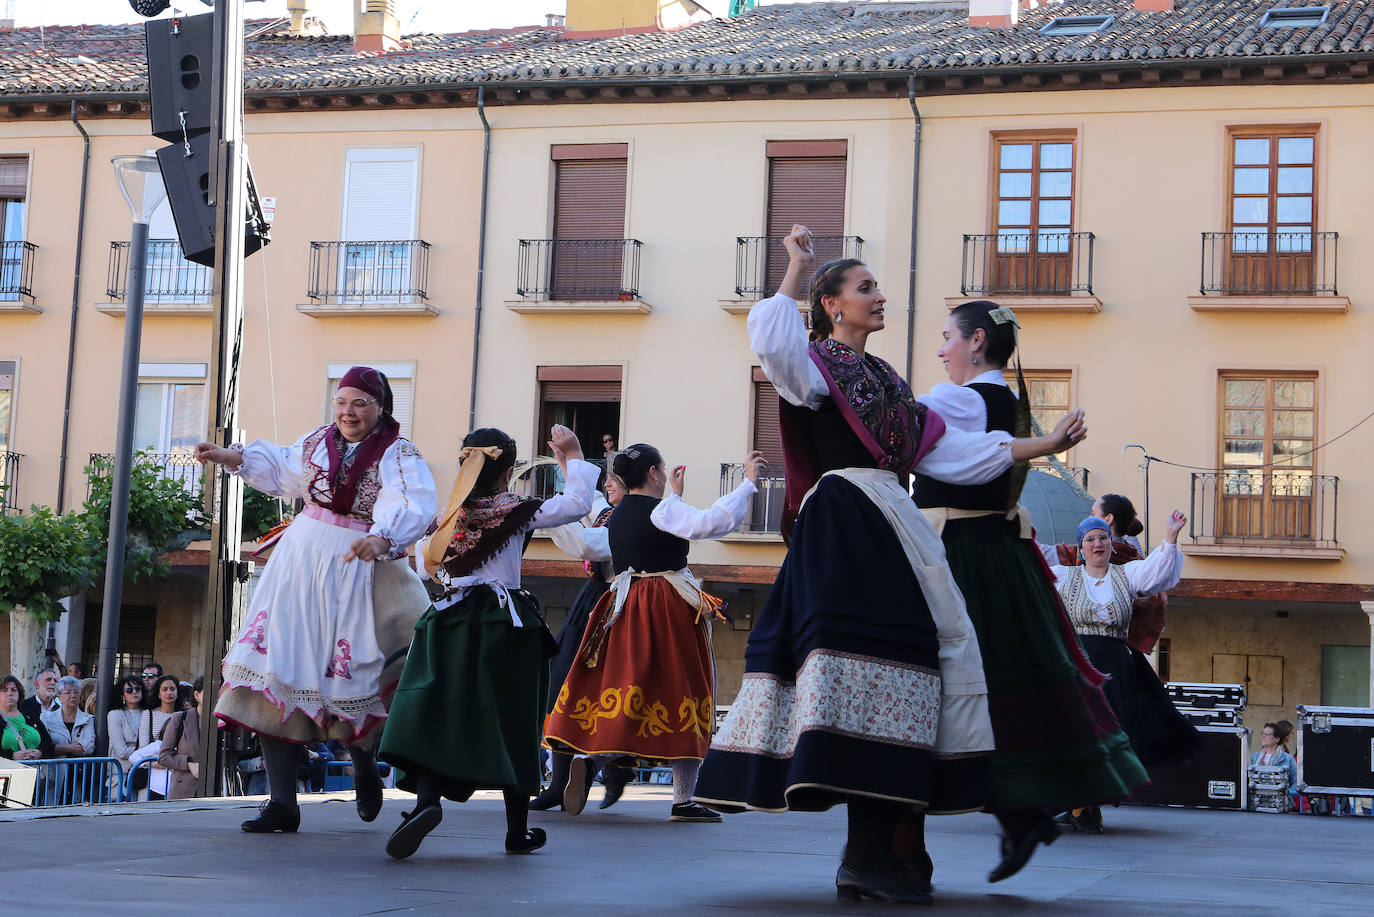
(141, 184)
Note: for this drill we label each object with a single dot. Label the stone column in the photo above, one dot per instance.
(1368, 608)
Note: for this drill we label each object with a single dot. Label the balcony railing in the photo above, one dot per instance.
(178, 466)
(1290, 507)
(579, 270)
(765, 511)
(1269, 263)
(760, 261)
(16, 271)
(1022, 263)
(369, 273)
(169, 277)
(542, 479)
(9, 480)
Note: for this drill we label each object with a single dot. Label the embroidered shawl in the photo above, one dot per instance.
(487, 524)
(1149, 613)
(346, 472)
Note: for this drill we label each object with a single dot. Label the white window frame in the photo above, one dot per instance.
(374, 260)
(170, 375)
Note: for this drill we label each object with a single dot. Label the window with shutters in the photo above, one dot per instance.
(588, 257)
(806, 185)
(586, 399)
(375, 262)
(765, 513)
(1051, 397)
(401, 378)
(14, 181)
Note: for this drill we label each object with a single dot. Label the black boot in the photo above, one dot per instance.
(558, 779)
(1022, 832)
(274, 818)
(367, 783)
(613, 779)
(870, 868)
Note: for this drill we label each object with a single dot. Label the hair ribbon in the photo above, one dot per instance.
(471, 461)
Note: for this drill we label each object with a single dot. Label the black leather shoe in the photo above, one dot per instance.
(529, 842)
(552, 796)
(413, 829)
(274, 818)
(614, 780)
(852, 885)
(575, 793)
(367, 794)
(1089, 821)
(916, 871)
(1066, 820)
(1017, 849)
(691, 811)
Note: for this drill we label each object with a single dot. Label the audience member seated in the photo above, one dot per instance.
(180, 753)
(21, 738)
(44, 694)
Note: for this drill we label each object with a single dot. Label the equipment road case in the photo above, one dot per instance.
(1215, 779)
(1336, 750)
(1206, 704)
(1268, 789)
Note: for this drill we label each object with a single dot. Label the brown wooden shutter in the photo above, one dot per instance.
(589, 199)
(807, 190)
(581, 391)
(14, 177)
(767, 434)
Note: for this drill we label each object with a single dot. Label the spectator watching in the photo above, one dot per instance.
(151, 673)
(126, 709)
(180, 753)
(44, 694)
(76, 670)
(1272, 754)
(21, 739)
(71, 728)
(88, 686)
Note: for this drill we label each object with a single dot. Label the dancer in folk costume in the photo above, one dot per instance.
(643, 683)
(469, 711)
(863, 683)
(1099, 598)
(326, 631)
(1059, 745)
(589, 542)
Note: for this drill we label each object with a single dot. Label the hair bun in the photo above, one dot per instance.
(1135, 527)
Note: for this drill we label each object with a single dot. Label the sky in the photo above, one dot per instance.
(415, 15)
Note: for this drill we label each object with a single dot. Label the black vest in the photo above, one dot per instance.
(636, 542)
(995, 494)
(831, 441)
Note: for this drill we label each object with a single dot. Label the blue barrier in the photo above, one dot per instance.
(78, 781)
(129, 791)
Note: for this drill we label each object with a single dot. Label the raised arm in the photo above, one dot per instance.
(720, 519)
(778, 334)
(1162, 570)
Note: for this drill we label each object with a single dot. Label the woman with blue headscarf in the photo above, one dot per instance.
(1098, 596)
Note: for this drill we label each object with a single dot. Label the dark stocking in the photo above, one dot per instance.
(517, 811)
(364, 765)
(909, 838)
(426, 790)
(280, 758)
(872, 822)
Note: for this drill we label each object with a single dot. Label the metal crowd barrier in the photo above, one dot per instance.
(77, 781)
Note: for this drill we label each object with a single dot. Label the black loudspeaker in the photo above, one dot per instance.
(180, 52)
(187, 180)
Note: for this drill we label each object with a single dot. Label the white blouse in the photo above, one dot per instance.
(406, 505)
(582, 540)
(960, 406)
(778, 335)
(1159, 572)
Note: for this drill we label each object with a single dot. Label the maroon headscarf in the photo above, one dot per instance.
(345, 476)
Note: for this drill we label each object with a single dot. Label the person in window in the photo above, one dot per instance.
(588, 543)
(21, 738)
(1098, 596)
(643, 682)
(607, 444)
(325, 635)
(469, 709)
(863, 683)
(44, 695)
(180, 753)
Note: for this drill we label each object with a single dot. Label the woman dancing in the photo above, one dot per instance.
(468, 711)
(863, 683)
(326, 632)
(643, 683)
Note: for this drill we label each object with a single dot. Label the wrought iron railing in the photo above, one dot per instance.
(542, 478)
(1042, 262)
(178, 466)
(765, 511)
(369, 273)
(1291, 507)
(1071, 473)
(16, 271)
(168, 278)
(9, 480)
(760, 261)
(1269, 263)
(579, 270)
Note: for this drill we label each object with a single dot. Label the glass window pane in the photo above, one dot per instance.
(1294, 210)
(1014, 184)
(1013, 213)
(1245, 392)
(1013, 241)
(1291, 483)
(1250, 239)
(1296, 150)
(148, 417)
(1252, 151)
(4, 419)
(1292, 423)
(1252, 181)
(1294, 393)
(1242, 482)
(1016, 156)
(1052, 241)
(1242, 452)
(1250, 210)
(1056, 155)
(1245, 423)
(1050, 392)
(1047, 417)
(13, 221)
(1291, 452)
(1297, 241)
(1056, 184)
(188, 407)
(1054, 213)
(1293, 179)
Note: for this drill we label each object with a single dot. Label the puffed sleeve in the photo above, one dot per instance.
(582, 541)
(967, 458)
(720, 519)
(961, 407)
(1159, 572)
(273, 469)
(408, 501)
(575, 500)
(778, 335)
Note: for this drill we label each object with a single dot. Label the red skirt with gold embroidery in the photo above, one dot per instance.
(648, 691)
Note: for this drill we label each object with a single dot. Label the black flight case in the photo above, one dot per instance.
(1216, 778)
(1336, 750)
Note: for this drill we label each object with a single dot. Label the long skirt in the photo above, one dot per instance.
(470, 705)
(649, 691)
(847, 693)
(570, 634)
(1059, 744)
(1159, 734)
(323, 641)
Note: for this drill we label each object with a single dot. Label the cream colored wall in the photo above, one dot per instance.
(299, 159)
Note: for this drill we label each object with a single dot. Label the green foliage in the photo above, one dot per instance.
(260, 512)
(46, 558)
(161, 512)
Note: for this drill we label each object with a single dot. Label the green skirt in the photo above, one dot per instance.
(470, 705)
(1059, 746)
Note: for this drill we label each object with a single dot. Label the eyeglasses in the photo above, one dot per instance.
(356, 404)
(133, 689)
(150, 675)
(1098, 539)
(75, 692)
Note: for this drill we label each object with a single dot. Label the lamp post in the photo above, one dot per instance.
(135, 175)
